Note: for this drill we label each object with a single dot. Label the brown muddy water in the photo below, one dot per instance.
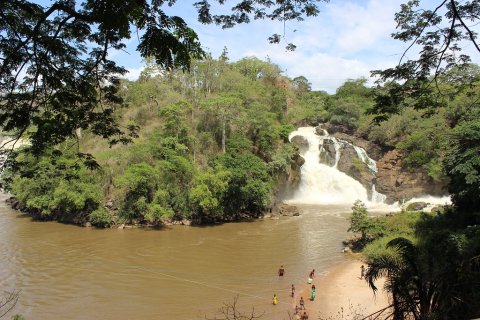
(69, 272)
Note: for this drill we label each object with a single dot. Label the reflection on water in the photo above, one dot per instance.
(67, 272)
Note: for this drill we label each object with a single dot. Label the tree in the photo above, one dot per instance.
(439, 35)
(55, 71)
(411, 297)
(231, 311)
(301, 84)
(223, 108)
(462, 165)
(359, 219)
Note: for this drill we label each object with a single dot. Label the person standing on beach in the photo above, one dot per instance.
(304, 316)
(293, 290)
(275, 300)
(302, 303)
(314, 293)
(362, 272)
(281, 271)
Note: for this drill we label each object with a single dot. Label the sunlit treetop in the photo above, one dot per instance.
(439, 39)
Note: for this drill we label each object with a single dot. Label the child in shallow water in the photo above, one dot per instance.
(275, 300)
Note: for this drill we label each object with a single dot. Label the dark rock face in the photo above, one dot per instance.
(292, 179)
(353, 166)
(295, 165)
(400, 184)
(327, 153)
(300, 142)
(391, 179)
(288, 210)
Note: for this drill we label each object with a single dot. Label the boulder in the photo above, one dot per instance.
(300, 142)
(327, 152)
(416, 206)
(288, 210)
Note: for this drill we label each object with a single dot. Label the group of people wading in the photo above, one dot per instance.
(298, 309)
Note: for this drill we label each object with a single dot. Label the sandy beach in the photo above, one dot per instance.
(341, 294)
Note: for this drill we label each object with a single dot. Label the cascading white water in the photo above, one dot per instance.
(321, 184)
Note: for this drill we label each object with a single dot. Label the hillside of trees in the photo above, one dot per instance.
(213, 144)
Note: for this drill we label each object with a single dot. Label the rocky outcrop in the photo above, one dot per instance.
(353, 166)
(400, 184)
(300, 142)
(392, 179)
(291, 179)
(288, 210)
(373, 150)
(327, 153)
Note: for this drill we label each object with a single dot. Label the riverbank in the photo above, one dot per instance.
(341, 294)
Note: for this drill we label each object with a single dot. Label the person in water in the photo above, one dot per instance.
(314, 293)
(302, 303)
(281, 271)
(312, 274)
(293, 290)
(275, 300)
(304, 316)
(362, 272)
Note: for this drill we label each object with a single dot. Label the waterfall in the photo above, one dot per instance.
(320, 183)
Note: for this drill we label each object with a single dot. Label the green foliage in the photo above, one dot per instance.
(208, 192)
(285, 131)
(250, 185)
(282, 159)
(378, 249)
(139, 180)
(462, 165)
(101, 217)
(56, 186)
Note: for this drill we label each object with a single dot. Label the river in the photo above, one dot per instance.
(69, 272)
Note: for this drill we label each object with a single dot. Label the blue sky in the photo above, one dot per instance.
(346, 40)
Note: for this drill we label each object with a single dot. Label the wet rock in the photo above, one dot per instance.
(288, 210)
(400, 184)
(88, 224)
(186, 222)
(300, 142)
(327, 153)
(122, 226)
(295, 165)
(416, 206)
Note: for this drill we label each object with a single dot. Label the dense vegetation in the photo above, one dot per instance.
(213, 140)
(213, 145)
(430, 261)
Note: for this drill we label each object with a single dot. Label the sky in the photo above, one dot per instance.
(347, 40)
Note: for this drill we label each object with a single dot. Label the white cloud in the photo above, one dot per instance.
(133, 73)
(346, 40)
